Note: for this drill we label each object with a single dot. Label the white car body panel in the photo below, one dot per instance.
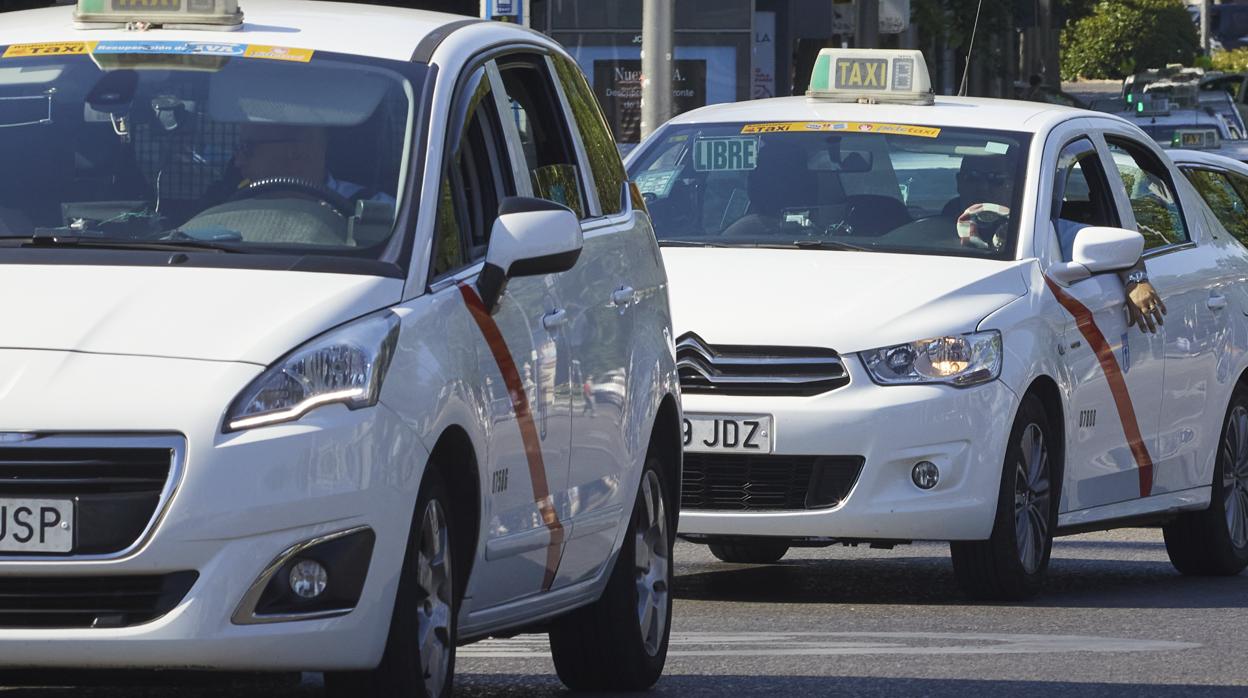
(112, 350)
(210, 314)
(1179, 380)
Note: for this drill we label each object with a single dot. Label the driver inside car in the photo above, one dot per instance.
(985, 190)
(277, 151)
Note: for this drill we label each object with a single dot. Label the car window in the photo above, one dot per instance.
(544, 137)
(1153, 200)
(879, 187)
(475, 180)
(600, 147)
(1223, 199)
(1081, 195)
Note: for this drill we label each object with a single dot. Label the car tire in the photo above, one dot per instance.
(619, 642)
(1011, 564)
(419, 659)
(760, 553)
(1214, 542)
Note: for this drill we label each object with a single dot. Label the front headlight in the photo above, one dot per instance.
(961, 361)
(345, 365)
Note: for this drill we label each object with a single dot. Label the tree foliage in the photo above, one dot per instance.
(1121, 37)
(1233, 61)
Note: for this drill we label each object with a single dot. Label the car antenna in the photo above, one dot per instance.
(970, 50)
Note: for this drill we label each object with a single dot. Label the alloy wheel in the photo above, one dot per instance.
(652, 563)
(1235, 476)
(1031, 498)
(433, 611)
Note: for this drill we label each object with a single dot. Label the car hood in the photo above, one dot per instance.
(192, 313)
(846, 301)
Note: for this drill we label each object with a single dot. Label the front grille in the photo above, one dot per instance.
(751, 370)
(90, 602)
(730, 482)
(116, 491)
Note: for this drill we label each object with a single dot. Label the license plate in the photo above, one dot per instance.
(36, 525)
(720, 433)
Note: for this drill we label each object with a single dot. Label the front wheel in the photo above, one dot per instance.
(1010, 565)
(1214, 542)
(619, 642)
(419, 660)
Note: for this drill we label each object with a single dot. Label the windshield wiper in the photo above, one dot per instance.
(814, 245)
(52, 238)
(692, 243)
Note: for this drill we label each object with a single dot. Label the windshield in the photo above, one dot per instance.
(250, 149)
(877, 187)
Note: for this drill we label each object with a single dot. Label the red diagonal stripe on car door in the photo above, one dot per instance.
(528, 429)
(1117, 384)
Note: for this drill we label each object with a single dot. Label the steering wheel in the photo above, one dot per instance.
(980, 218)
(339, 203)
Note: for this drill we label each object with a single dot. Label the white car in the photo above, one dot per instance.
(1222, 182)
(880, 338)
(289, 326)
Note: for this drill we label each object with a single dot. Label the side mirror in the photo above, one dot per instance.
(1097, 250)
(531, 237)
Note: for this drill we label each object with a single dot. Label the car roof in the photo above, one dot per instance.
(972, 112)
(1199, 157)
(366, 30)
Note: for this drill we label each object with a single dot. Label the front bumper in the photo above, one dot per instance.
(242, 499)
(962, 431)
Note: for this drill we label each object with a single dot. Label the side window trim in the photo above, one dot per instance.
(511, 134)
(583, 166)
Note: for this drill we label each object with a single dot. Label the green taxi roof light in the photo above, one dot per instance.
(1140, 107)
(215, 15)
(870, 76)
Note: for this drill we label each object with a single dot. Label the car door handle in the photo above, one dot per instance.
(555, 319)
(623, 296)
(1216, 302)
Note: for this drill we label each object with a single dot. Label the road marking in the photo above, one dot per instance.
(759, 644)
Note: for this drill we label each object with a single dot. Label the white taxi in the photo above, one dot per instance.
(900, 317)
(297, 323)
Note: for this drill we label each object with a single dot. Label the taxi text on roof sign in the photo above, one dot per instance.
(218, 15)
(867, 75)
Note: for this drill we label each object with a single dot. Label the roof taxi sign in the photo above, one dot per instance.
(870, 76)
(213, 15)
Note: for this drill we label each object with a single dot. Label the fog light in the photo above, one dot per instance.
(925, 475)
(308, 579)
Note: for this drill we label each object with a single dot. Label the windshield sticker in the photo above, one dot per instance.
(277, 53)
(854, 126)
(177, 48)
(68, 48)
(656, 182)
(725, 154)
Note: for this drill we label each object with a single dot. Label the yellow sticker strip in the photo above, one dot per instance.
(82, 48)
(279, 53)
(842, 126)
(69, 48)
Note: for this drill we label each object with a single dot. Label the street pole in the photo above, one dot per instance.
(657, 45)
(868, 34)
(1206, 15)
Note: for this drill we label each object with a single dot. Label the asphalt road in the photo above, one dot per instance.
(1116, 620)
